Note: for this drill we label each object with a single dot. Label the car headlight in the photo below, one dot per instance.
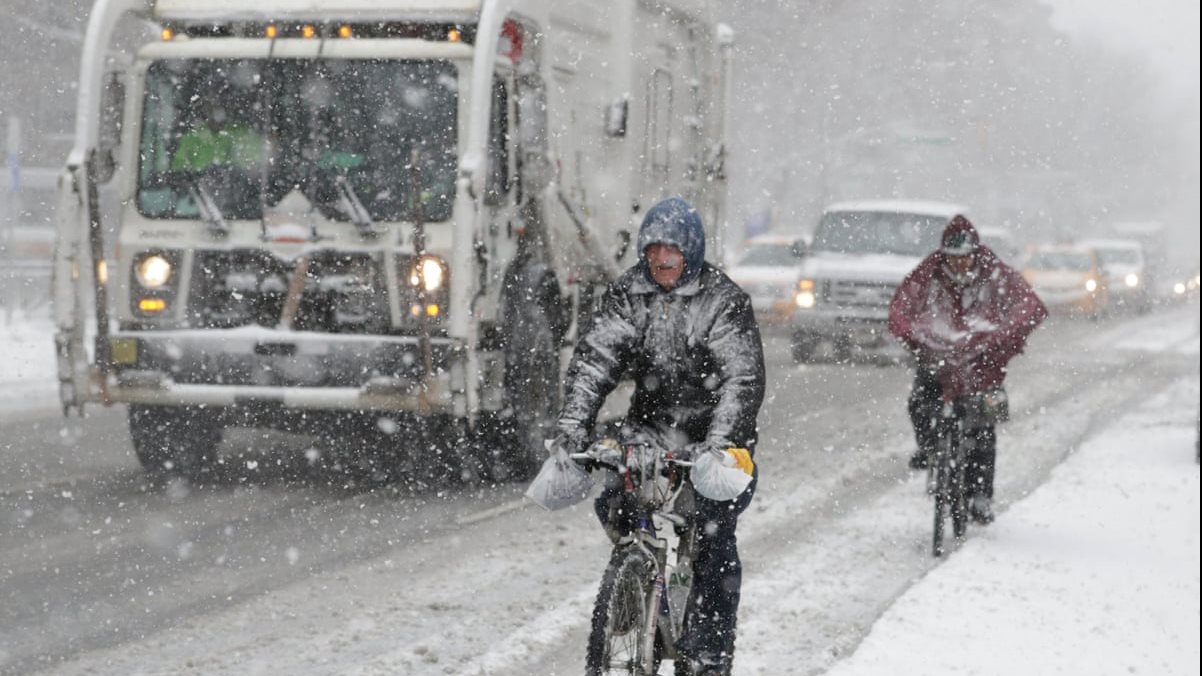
(1091, 285)
(153, 271)
(806, 298)
(429, 272)
(1132, 279)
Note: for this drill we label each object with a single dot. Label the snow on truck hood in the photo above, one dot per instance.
(867, 267)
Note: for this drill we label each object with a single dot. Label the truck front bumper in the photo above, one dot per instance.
(293, 370)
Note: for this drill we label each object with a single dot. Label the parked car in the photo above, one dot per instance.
(1068, 279)
(860, 254)
(1125, 268)
(768, 271)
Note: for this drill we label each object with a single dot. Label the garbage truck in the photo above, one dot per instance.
(375, 222)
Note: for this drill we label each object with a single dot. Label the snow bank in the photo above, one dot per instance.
(1096, 572)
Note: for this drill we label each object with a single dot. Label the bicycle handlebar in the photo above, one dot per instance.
(603, 455)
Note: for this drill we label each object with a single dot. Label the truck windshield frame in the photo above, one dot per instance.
(879, 232)
(251, 131)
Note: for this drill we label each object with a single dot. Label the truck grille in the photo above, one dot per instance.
(846, 293)
(343, 293)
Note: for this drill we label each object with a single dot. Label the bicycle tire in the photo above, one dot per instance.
(942, 469)
(621, 618)
(940, 514)
(959, 501)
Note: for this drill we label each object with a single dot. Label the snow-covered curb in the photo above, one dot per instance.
(1096, 572)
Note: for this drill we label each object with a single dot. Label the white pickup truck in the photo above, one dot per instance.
(860, 253)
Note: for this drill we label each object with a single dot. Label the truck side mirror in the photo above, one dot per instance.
(112, 116)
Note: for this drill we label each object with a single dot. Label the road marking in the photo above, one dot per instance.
(512, 506)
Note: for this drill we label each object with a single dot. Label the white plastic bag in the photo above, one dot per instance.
(560, 483)
(717, 477)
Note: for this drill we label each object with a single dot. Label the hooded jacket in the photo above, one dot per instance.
(694, 352)
(981, 324)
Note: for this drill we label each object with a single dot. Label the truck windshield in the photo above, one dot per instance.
(250, 131)
(879, 232)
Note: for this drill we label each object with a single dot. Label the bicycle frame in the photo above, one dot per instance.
(650, 497)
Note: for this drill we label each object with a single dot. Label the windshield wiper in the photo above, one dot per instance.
(209, 209)
(352, 206)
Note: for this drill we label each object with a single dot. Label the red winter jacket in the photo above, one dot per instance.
(977, 328)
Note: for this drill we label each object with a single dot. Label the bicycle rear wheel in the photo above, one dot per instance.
(621, 618)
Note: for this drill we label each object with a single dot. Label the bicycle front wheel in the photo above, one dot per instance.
(621, 617)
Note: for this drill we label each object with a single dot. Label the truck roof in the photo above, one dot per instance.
(302, 10)
(946, 209)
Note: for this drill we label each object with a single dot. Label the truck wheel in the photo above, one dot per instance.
(174, 441)
(534, 398)
(532, 377)
(803, 346)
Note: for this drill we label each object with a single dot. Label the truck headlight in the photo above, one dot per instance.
(1091, 285)
(153, 271)
(428, 272)
(1131, 279)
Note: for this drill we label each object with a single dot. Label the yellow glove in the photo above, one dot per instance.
(742, 460)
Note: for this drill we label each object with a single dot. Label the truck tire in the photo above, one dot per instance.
(534, 400)
(532, 336)
(174, 441)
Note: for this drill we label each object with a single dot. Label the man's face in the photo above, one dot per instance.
(959, 266)
(666, 263)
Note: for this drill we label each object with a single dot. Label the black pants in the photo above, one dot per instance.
(926, 406)
(713, 605)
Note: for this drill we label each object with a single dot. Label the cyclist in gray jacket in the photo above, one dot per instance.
(687, 336)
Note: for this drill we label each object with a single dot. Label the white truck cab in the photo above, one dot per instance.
(318, 214)
(860, 253)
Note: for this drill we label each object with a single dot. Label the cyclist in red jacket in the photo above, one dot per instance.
(965, 314)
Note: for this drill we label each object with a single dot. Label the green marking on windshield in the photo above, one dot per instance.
(340, 160)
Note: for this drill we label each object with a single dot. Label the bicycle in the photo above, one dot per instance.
(946, 481)
(640, 607)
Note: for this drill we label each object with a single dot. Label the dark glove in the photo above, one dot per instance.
(971, 347)
(929, 347)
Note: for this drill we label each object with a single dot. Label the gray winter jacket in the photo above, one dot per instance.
(694, 352)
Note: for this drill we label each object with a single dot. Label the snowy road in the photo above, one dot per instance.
(274, 571)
